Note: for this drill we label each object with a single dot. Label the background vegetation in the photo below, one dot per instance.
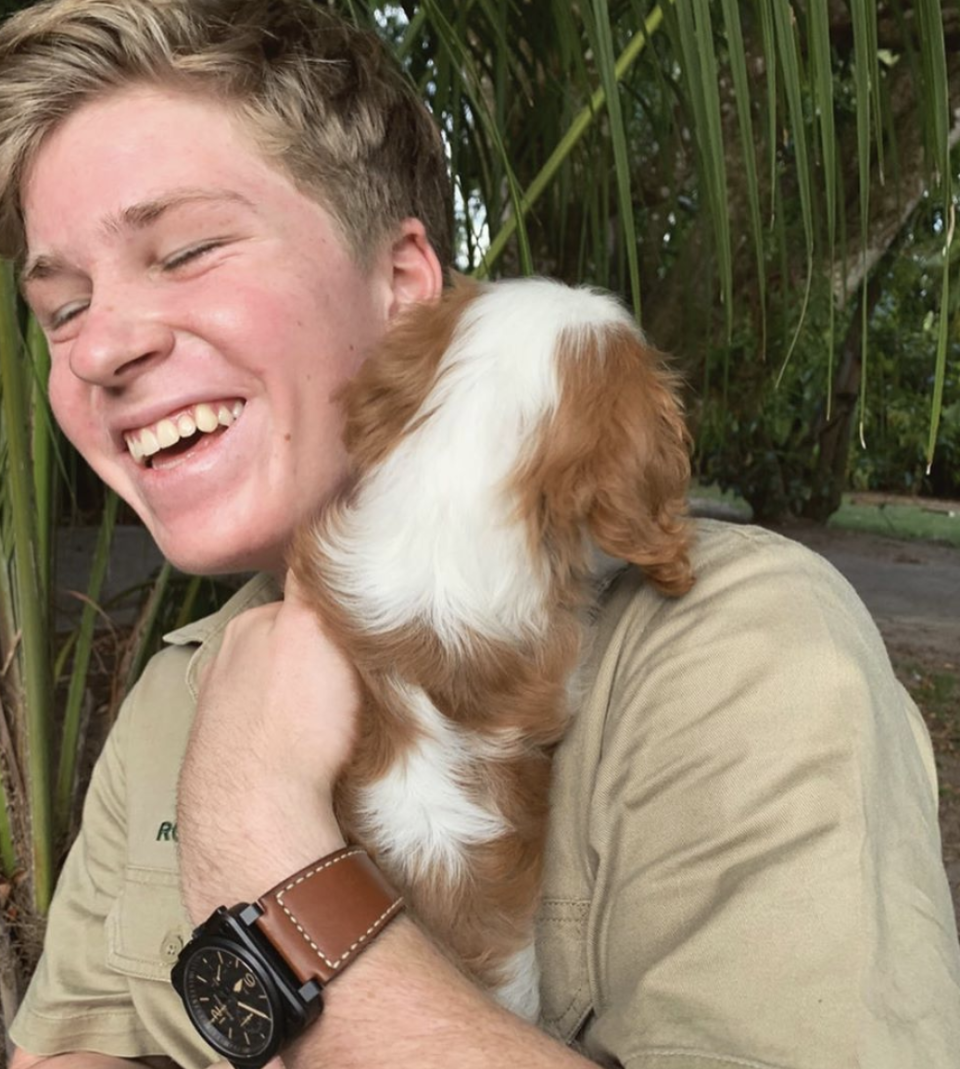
(769, 183)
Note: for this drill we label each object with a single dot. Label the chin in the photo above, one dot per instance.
(195, 557)
(511, 449)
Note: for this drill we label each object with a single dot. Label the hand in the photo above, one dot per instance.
(275, 725)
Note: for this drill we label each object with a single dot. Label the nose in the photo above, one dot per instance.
(117, 341)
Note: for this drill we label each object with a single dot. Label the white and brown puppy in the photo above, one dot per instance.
(498, 441)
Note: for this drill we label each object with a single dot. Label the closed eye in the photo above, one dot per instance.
(63, 315)
(179, 259)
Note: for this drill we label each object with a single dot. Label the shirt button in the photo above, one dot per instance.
(171, 946)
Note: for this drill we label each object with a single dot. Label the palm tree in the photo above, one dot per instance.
(726, 166)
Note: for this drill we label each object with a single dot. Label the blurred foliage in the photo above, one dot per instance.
(756, 439)
(763, 441)
(896, 402)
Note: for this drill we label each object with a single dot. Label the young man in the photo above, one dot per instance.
(218, 208)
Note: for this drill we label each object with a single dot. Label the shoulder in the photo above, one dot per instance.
(764, 702)
(745, 813)
(739, 566)
(739, 561)
(759, 601)
(764, 694)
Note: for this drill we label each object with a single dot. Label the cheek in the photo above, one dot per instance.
(70, 403)
(248, 325)
(73, 407)
(307, 352)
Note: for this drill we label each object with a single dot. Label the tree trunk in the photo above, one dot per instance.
(834, 435)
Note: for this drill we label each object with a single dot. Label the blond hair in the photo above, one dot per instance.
(322, 98)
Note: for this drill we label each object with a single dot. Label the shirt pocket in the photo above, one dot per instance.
(565, 996)
(147, 926)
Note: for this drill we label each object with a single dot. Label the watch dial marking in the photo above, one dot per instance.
(234, 1001)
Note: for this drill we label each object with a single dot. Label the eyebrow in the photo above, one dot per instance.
(135, 217)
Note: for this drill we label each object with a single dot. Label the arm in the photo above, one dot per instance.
(402, 987)
(279, 685)
(762, 831)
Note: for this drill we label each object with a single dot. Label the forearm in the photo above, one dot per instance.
(401, 1002)
(404, 989)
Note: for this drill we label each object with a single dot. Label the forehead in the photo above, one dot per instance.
(133, 147)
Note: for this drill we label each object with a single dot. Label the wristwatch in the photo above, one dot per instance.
(251, 977)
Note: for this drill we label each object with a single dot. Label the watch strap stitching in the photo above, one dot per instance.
(372, 930)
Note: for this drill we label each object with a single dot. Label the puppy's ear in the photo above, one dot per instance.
(613, 458)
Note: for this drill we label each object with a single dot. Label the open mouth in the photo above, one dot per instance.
(180, 433)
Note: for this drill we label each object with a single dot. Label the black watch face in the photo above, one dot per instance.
(229, 1003)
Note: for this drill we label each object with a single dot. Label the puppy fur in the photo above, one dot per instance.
(505, 443)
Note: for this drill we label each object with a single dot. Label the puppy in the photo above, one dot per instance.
(505, 443)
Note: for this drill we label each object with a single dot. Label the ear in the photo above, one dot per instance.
(414, 272)
(641, 472)
(614, 459)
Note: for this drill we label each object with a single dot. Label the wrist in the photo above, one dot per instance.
(285, 847)
(406, 988)
(263, 849)
(254, 976)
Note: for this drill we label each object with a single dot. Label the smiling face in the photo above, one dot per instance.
(201, 313)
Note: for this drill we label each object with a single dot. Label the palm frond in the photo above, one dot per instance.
(30, 597)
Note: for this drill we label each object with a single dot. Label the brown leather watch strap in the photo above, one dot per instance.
(322, 917)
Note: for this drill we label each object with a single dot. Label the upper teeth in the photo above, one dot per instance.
(203, 417)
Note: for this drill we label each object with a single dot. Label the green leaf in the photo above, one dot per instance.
(599, 30)
(790, 61)
(768, 37)
(474, 88)
(822, 67)
(863, 62)
(578, 128)
(695, 36)
(937, 90)
(30, 597)
(70, 745)
(738, 67)
(143, 639)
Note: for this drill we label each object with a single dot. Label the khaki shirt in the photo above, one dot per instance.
(743, 865)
